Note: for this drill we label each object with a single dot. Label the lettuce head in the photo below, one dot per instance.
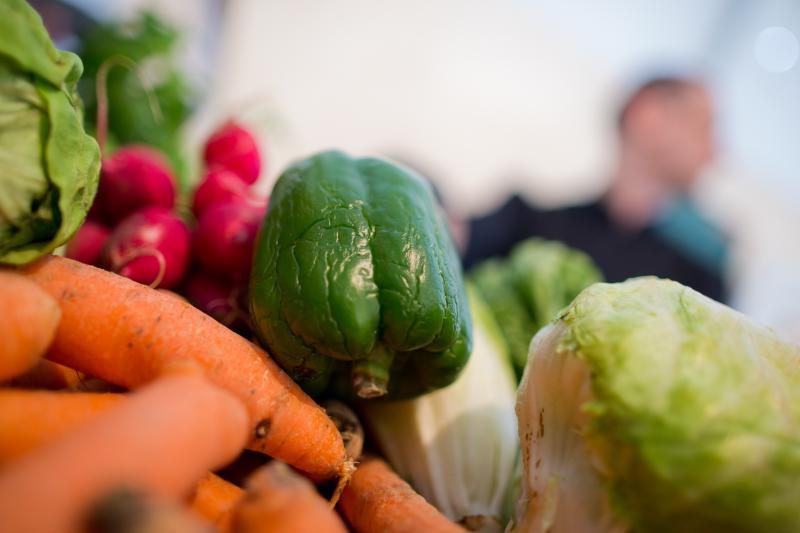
(49, 166)
(648, 407)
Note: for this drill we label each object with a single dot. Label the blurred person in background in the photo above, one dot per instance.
(645, 223)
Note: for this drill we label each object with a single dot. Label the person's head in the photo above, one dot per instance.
(668, 121)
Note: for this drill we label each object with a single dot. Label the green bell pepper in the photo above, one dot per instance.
(356, 285)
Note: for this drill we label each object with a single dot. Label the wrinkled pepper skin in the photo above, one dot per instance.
(356, 287)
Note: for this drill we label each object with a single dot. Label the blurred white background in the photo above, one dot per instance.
(488, 98)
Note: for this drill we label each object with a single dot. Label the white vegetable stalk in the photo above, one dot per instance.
(561, 490)
(458, 446)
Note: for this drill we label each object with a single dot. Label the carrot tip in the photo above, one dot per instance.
(346, 470)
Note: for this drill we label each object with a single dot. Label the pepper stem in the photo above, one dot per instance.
(371, 374)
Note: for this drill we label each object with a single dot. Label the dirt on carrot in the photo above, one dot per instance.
(128, 511)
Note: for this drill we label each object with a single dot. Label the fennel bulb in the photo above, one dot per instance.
(458, 446)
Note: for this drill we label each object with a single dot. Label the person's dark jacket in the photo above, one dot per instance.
(620, 254)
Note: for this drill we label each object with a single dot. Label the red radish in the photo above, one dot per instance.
(219, 299)
(151, 246)
(224, 237)
(87, 244)
(234, 148)
(222, 186)
(133, 177)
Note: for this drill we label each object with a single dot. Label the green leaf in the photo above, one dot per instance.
(150, 43)
(49, 167)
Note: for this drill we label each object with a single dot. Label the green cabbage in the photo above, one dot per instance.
(49, 166)
(527, 290)
(649, 407)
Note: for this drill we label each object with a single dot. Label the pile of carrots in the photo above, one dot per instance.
(118, 402)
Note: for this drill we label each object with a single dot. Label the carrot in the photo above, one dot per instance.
(30, 318)
(48, 375)
(281, 501)
(160, 440)
(378, 500)
(30, 418)
(126, 511)
(128, 334)
(214, 500)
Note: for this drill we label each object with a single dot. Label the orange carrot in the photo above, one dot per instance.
(378, 500)
(128, 334)
(214, 500)
(160, 440)
(126, 511)
(30, 418)
(48, 375)
(30, 318)
(281, 501)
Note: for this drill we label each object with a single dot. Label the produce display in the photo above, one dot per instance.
(178, 358)
(134, 228)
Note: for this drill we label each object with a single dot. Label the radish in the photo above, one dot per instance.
(218, 299)
(151, 246)
(222, 186)
(234, 148)
(133, 177)
(87, 244)
(224, 237)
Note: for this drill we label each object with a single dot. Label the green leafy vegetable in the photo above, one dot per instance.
(49, 166)
(649, 407)
(150, 43)
(494, 281)
(527, 290)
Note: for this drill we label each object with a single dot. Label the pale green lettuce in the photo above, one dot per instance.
(649, 407)
(49, 166)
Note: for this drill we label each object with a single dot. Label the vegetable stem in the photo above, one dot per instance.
(102, 96)
(371, 374)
